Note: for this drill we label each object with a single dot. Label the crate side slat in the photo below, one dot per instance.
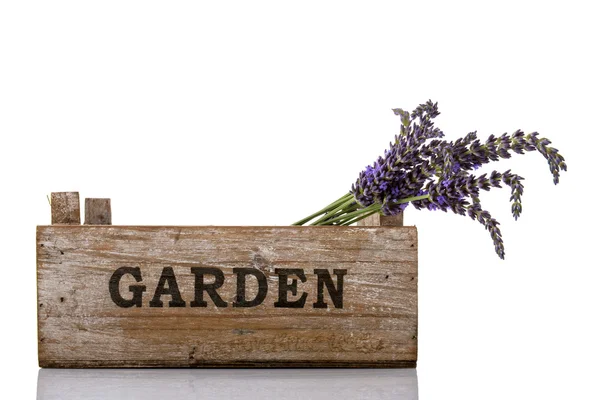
(79, 325)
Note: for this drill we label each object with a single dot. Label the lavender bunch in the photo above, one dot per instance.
(421, 169)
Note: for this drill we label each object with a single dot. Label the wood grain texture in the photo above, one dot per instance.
(382, 220)
(65, 208)
(80, 325)
(97, 212)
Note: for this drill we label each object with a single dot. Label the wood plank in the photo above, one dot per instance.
(98, 212)
(383, 220)
(65, 208)
(370, 321)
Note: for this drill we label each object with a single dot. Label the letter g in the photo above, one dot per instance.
(137, 290)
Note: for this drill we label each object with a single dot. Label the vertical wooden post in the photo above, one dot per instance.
(382, 220)
(98, 212)
(65, 208)
(396, 220)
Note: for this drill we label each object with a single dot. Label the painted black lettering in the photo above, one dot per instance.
(240, 299)
(137, 290)
(336, 294)
(167, 276)
(284, 287)
(210, 288)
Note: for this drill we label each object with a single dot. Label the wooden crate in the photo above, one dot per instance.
(223, 296)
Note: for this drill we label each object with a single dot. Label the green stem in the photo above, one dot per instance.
(342, 219)
(342, 199)
(346, 211)
(336, 214)
(374, 206)
(352, 220)
(351, 214)
(334, 211)
(356, 219)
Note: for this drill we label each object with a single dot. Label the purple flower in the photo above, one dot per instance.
(418, 162)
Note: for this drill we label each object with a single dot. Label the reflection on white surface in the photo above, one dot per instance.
(183, 384)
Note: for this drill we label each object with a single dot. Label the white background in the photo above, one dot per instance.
(259, 113)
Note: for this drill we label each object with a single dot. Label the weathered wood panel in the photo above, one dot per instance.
(98, 212)
(360, 306)
(65, 208)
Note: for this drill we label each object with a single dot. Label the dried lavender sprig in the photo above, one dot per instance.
(418, 163)
(464, 185)
(516, 191)
(556, 161)
(450, 195)
(495, 148)
(477, 213)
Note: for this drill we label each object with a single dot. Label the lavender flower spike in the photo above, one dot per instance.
(430, 173)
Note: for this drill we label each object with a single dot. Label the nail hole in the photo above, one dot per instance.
(41, 305)
(387, 276)
(412, 245)
(62, 299)
(42, 245)
(62, 252)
